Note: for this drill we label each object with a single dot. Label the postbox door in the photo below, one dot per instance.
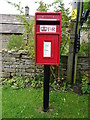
(47, 49)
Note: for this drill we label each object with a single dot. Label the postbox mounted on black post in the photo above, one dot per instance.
(47, 45)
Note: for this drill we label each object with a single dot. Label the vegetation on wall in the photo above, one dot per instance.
(84, 48)
(86, 5)
(28, 25)
(27, 41)
(85, 45)
(16, 42)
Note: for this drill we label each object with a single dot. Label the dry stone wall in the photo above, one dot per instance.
(16, 63)
(20, 63)
(83, 67)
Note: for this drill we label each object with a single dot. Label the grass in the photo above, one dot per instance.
(28, 102)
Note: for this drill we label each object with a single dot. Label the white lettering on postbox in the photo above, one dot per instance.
(47, 28)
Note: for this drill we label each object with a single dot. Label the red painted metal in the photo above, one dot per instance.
(47, 38)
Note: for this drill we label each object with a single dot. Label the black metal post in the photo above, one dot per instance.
(76, 37)
(46, 88)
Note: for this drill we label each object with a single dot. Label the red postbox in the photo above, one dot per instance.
(47, 38)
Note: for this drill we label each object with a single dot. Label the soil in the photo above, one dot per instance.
(77, 89)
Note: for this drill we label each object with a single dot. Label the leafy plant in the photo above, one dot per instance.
(16, 42)
(43, 7)
(30, 48)
(64, 87)
(18, 82)
(27, 34)
(65, 30)
(85, 87)
(86, 5)
(84, 48)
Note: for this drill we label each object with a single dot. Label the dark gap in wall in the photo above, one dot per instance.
(20, 56)
(10, 75)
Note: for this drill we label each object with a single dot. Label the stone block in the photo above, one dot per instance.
(8, 63)
(6, 66)
(16, 70)
(25, 57)
(29, 70)
(5, 75)
(9, 70)
(23, 52)
(13, 74)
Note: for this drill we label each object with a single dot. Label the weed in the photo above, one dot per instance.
(85, 87)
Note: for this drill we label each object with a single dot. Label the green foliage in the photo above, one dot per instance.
(64, 87)
(86, 5)
(52, 83)
(30, 48)
(31, 29)
(18, 82)
(16, 42)
(28, 25)
(79, 79)
(43, 7)
(85, 87)
(84, 48)
(65, 29)
(28, 33)
(37, 83)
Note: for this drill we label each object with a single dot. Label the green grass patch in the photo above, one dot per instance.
(28, 103)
